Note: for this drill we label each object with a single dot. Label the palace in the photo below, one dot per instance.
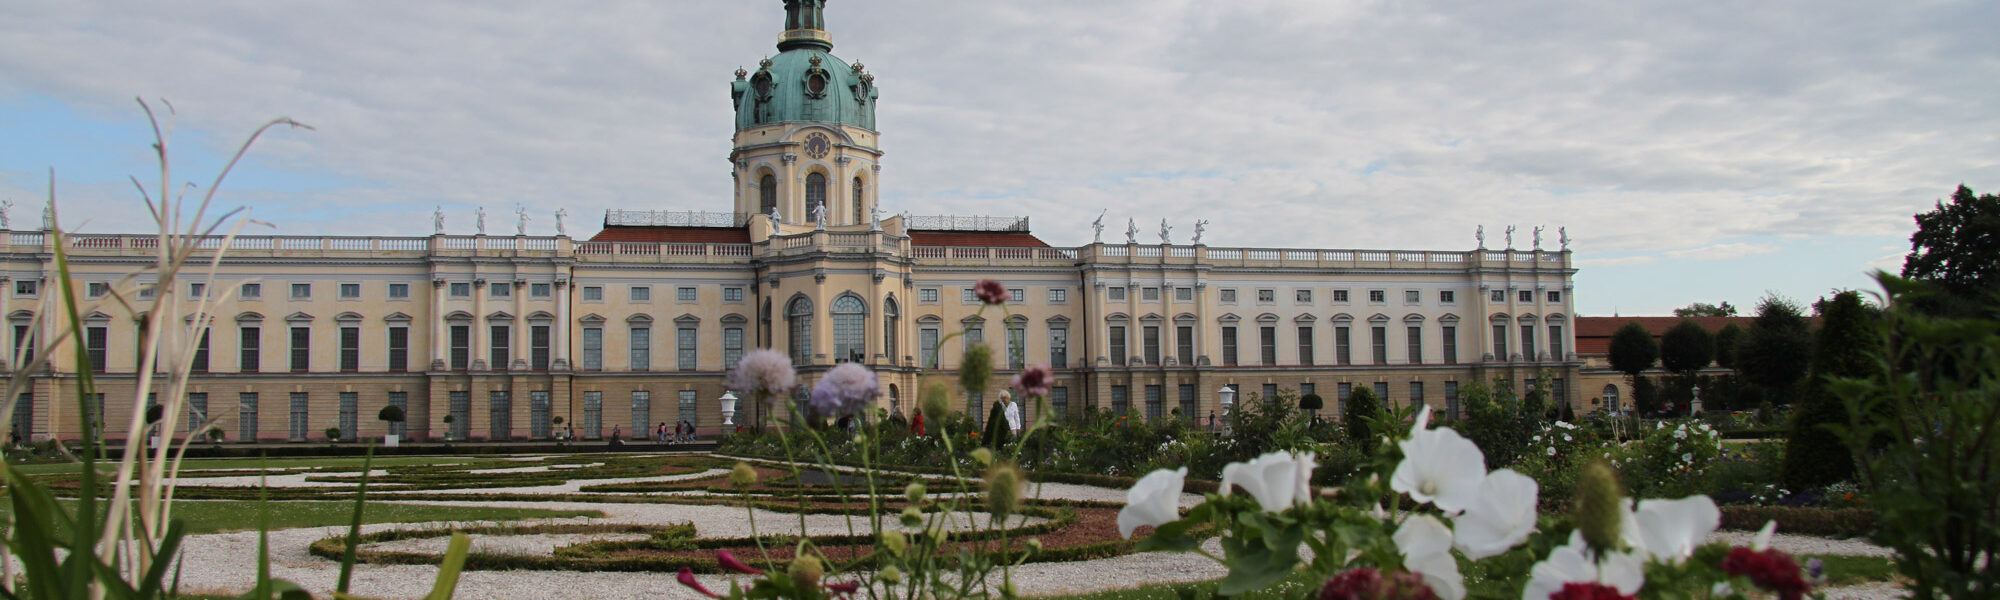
(639, 324)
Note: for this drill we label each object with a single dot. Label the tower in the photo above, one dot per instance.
(805, 127)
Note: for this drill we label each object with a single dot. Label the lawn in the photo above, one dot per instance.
(196, 464)
(216, 516)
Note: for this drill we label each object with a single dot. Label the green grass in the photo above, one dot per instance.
(232, 515)
(196, 464)
(1850, 570)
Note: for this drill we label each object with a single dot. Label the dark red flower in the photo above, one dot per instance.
(687, 579)
(1588, 591)
(1034, 380)
(729, 561)
(1365, 583)
(990, 291)
(844, 588)
(1770, 569)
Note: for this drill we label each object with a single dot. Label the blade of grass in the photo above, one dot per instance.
(149, 586)
(354, 526)
(454, 562)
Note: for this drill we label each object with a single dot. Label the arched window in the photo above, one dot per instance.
(1611, 399)
(860, 216)
(850, 337)
(890, 316)
(767, 194)
(815, 195)
(799, 314)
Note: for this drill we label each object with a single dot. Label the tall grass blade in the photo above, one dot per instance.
(354, 525)
(454, 562)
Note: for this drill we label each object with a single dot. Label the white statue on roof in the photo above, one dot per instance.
(775, 217)
(481, 224)
(1165, 229)
(819, 214)
(437, 220)
(1510, 237)
(1200, 227)
(875, 217)
(1131, 231)
(560, 229)
(6, 223)
(1480, 235)
(1098, 227)
(1562, 235)
(1538, 238)
(520, 220)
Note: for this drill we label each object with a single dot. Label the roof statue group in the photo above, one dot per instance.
(1562, 234)
(1132, 230)
(479, 220)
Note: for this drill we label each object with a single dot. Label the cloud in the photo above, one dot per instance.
(1722, 251)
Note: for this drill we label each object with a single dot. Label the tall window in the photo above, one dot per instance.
(1267, 344)
(400, 400)
(1154, 408)
(1555, 342)
(200, 362)
(538, 347)
(1343, 347)
(593, 415)
(975, 406)
(1150, 336)
(1341, 392)
(299, 423)
(1229, 345)
(1450, 345)
(197, 411)
(767, 194)
(1381, 344)
(1305, 344)
(732, 346)
(1499, 341)
(684, 348)
(927, 347)
(859, 215)
(1121, 400)
(500, 415)
(1528, 342)
(1451, 400)
(24, 343)
(593, 348)
(850, 337)
(1058, 402)
(538, 414)
(642, 411)
(799, 316)
(1382, 392)
(461, 347)
(1190, 407)
(815, 195)
(1117, 339)
(1184, 344)
(249, 348)
(502, 348)
(891, 316)
(461, 415)
(1416, 343)
(641, 352)
(1416, 393)
(97, 340)
(24, 416)
(1017, 343)
(688, 411)
(350, 349)
(1058, 347)
(246, 416)
(350, 415)
(301, 349)
(399, 349)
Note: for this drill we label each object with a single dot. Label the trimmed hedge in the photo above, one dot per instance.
(1836, 522)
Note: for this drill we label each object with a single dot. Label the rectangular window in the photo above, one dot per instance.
(1184, 344)
(1415, 337)
(1340, 296)
(1017, 295)
(1058, 403)
(24, 344)
(1416, 393)
(640, 293)
(399, 291)
(1499, 295)
(1058, 347)
(684, 341)
(250, 291)
(540, 290)
(1378, 296)
(1382, 392)
(1267, 343)
(1307, 389)
(1190, 406)
(688, 410)
(1270, 391)
(1413, 297)
(1302, 296)
(1527, 296)
(26, 288)
(246, 416)
(1121, 401)
(1058, 295)
(400, 400)
(461, 347)
(197, 411)
(1226, 296)
(1150, 337)
(538, 347)
(301, 349)
(1341, 392)
(1343, 347)
(249, 349)
(461, 415)
(197, 290)
(350, 291)
(1450, 345)
(684, 294)
(1528, 342)
(1117, 340)
(975, 405)
(1151, 294)
(1556, 342)
(302, 291)
(927, 295)
(97, 341)
(1267, 296)
(1558, 392)
(732, 294)
(1183, 294)
(593, 348)
(593, 293)
(642, 348)
(1555, 297)
(1229, 345)
(642, 411)
(967, 296)
(1451, 400)
(538, 414)
(1017, 344)
(300, 424)
(593, 415)
(732, 346)
(1154, 404)
(1305, 345)
(500, 415)
(1447, 297)
(1381, 344)
(1499, 341)
(501, 350)
(200, 362)
(350, 349)
(927, 347)
(350, 415)
(500, 290)
(1114, 294)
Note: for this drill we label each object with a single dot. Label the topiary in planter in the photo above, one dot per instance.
(332, 434)
(391, 413)
(1311, 403)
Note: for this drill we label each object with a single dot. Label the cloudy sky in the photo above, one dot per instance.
(1696, 151)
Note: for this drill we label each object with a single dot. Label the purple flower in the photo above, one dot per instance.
(847, 389)
(1034, 380)
(686, 578)
(990, 291)
(763, 372)
(729, 561)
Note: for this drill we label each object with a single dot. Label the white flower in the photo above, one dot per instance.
(1426, 547)
(1439, 466)
(1669, 530)
(1681, 434)
(1763, 539)
(1503, 517)
(1154, 500)
(1571, 564)
(1277, 480)
(1552, 450)
(1687, 457)
(1566, 438)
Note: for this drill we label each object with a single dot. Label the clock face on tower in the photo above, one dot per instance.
(817, 145)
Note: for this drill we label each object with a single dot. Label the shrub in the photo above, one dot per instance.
(1361, 406)
(1672, 461)
(332, 434)
(1839, 522)
(394, 414)
(1498, 424)
(1840, 349)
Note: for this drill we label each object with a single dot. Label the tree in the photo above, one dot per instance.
(1311, 403)
(1684, 351)
(1726, 342)
(1704, 309)
(1633, 350)
(1778, 350)
(1361, 406)
(1847, 334)
(1955, 246)
(390, 413)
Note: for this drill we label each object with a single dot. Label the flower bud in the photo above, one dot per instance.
(743, 476)
(1034, 545)
(1003, 489)
(915, 492)
(860, 438)
(1007, 590)
(938, 535)
(890, 574)
(894, 542)
(976, 369)
(1597, 509)
(912, 517)
(936, 402)
(982, 456)
(805, 572)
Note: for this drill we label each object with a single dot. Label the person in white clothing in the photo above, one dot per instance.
(1013, 414)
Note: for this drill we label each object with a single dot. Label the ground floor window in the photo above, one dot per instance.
(500, 424)
(350, 415)
(461, 415)
(400, 400)
(246, 416)
(300, 408)
(538, 414)
(593, 415)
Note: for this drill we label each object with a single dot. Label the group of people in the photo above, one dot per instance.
(683, 431)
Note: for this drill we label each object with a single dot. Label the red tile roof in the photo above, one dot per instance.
(1593, 334)
(982, 239)
(678, 235)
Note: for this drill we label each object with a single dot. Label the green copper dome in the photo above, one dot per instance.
(804, 82)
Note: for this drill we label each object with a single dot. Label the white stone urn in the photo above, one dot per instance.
(728, 408)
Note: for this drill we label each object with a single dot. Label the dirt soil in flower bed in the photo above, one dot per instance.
(1094, 526)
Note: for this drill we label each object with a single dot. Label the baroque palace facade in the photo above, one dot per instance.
(639, 324)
